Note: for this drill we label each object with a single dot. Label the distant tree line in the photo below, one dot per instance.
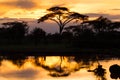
(98, 33)
(87, 34)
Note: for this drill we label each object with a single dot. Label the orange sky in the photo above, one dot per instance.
(37, 8)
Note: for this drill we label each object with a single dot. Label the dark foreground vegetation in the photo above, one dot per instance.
(99, 35)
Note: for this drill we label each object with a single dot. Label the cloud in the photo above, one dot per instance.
(9, 6)
(25, 4)
(116, 9)
(27, 73)
(109, 16)
(30, 4)
(96, 14)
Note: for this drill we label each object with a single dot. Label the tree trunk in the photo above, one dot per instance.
(61, 29)
(61, 58)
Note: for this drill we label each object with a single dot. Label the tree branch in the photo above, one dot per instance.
(56, 21)
(67, 21)
(59, 19)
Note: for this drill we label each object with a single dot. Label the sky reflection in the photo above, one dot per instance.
(30, 71)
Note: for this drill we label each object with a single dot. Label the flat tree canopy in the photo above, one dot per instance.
(62, 16)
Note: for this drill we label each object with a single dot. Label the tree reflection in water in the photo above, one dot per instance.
(114, 71)
(60, 66)
(17, 60)
(100, 72)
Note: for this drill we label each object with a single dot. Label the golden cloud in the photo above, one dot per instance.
(24, 8)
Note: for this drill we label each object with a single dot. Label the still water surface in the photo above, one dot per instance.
(53, 68)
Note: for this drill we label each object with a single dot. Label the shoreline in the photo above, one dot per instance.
(58, 52)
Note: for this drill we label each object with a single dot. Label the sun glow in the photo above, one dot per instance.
(18, 13)
(50, 61)
(36, 9)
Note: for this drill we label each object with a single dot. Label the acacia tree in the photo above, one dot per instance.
(62, 16)
(101, 24)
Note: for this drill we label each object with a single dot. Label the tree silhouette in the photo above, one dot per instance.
(80, 30)
(37, 34)
(15, 30)
(114, 25)
(67, 35)
(100, 72)
(101, 24)
(17, 60)
(61, 16)
(3, 33)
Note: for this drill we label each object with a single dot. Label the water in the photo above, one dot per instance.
(54, 68)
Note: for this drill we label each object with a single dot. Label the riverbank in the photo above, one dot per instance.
(54, 50)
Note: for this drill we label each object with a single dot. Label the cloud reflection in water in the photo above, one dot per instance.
(30, 71)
